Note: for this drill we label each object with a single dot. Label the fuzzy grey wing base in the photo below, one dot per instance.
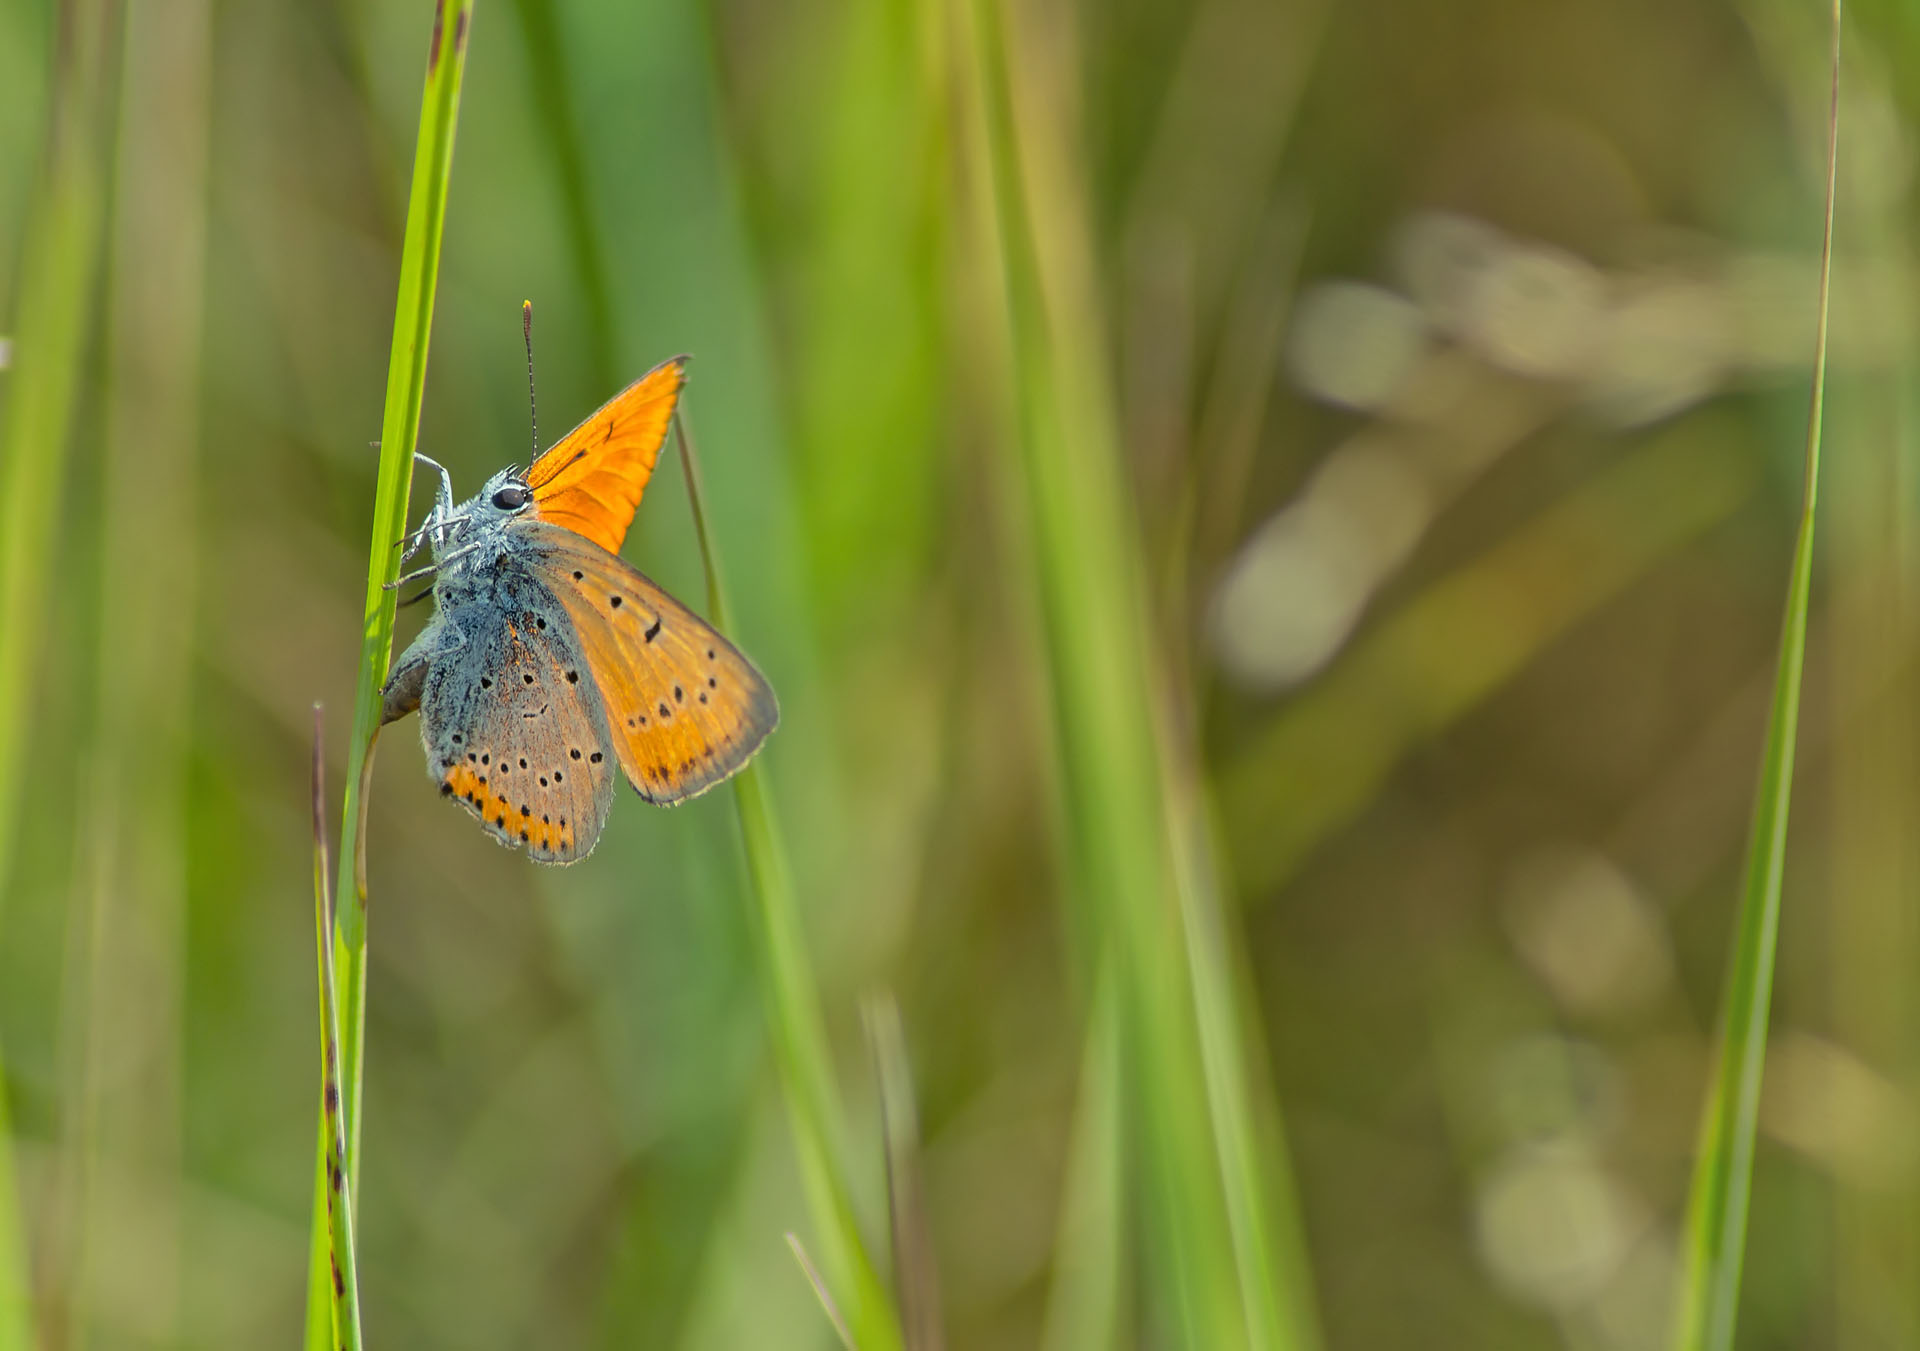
(510, 717)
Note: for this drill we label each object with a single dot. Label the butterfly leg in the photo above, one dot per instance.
(432, 567)
(401, 694)
(408, 579)
(439, 518)
(410, 544)
(443, 499)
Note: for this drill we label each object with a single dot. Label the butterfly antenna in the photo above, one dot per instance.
(526, 331)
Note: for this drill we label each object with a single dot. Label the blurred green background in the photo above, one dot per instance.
(1454, 354)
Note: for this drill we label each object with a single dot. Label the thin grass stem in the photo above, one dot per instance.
(124, 1016)
(59, 264)
(1085, 1299)
(1716, 1229)
(399, 431)
(792, 1002)
(1262, 1209)
(1206, 1217)
(15, 1310)
(552, 92)
(820, 1291)
(343, 1271)
(915, 1278)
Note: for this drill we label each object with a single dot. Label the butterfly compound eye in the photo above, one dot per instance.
(511, 498)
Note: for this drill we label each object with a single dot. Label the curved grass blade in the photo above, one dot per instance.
(793, 1017)
(1716, 1231)
(399, 429)
(343, 1271)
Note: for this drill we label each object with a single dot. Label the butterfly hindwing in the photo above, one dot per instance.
(513, 726)
(591, 480)
(684, 707)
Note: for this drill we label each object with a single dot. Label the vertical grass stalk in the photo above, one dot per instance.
(1716, 1230)
(820, 1291)
(552, 92)
(59, 262)
(1262, 1207)
(1206, 1216)
(799, 1034)
(916, 1281)
(15, 1311)
(1087, 1290)
(399, 430)
(343, 1268)
(127, 922)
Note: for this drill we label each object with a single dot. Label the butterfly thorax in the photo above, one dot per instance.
(468, 539)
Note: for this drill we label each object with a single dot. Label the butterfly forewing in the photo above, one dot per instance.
(514, 731)
(685, 708)
(591, 480)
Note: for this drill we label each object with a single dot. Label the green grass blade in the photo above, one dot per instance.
(794, 1021)
(59, 263)
(343, 1271)
(399, 430)
(15, 1311)
(820, 1292)
(1207, 1217)
(400, 422)
(122, 1028)
(1262, 1209)
(551, 92)
(319, 1328)
(916, 1280)
(1715, 1237)
(1085, 1295)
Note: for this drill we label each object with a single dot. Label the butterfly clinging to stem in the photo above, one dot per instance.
(550, 660)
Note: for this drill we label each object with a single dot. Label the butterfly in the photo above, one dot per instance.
(550, 661)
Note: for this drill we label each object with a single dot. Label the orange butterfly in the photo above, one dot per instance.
(549, 658)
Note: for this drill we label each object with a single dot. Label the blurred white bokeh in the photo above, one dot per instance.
(1597, 943)
(1553, 1225)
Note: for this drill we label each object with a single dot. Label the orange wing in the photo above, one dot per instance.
(591, 479)
(686, 709)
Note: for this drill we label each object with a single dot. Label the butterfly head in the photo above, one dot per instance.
(503, 497)
(465, 531)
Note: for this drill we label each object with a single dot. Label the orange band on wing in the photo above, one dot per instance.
(590, 481)
(546, 839)
(685, 707)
